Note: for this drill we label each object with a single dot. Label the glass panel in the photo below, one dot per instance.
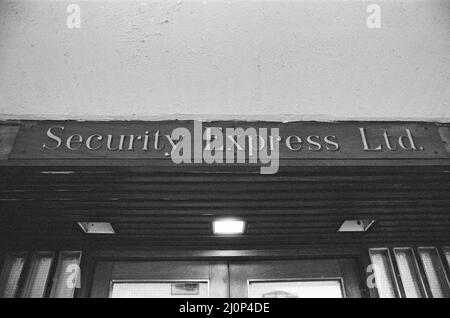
(435, 272)
(171, 289)
(384, 276)
(447, 254)
(10, 276)
(295, 289)
(38, 276)
(67, 276)
(409, 273)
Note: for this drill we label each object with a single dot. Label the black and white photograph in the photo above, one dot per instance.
(236, 150)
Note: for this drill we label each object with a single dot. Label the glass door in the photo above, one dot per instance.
(142, 279)
(335, 278)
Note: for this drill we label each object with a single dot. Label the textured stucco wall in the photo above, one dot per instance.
(271, 60)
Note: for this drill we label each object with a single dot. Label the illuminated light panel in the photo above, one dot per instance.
(228, 227)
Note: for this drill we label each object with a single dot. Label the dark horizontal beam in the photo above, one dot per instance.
(57, 212)
(193, 196)
(212, 177)
(162, 205)
(404, 161)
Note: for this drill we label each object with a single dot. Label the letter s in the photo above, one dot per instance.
(314, 145)
(331, 141)
(53, 137)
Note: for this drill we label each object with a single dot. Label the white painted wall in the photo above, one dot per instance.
(272, 60)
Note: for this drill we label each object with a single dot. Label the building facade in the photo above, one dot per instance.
(215, 149)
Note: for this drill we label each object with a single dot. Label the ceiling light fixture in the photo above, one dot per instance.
(97, 227)
(228, 227)
(356, 225)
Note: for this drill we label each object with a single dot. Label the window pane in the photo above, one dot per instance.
(409, 273)
(12, 269)
(384, 276)
(295, 289)
(67, 275)
(435, 272)
(160, 290)
(447, 255)
(38, 276)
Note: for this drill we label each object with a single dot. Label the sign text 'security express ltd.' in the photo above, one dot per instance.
(225, 144)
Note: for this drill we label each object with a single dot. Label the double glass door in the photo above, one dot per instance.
(325, 278)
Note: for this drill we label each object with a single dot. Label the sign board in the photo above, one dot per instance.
(296, 140)
(8, 135)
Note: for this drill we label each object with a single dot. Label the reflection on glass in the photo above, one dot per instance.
(447, 254)
(409, 273)
(435, 272)
(9, 278)
(38, 276)
(384, 276)
(295, 289)
(67, 275)
(171, 289)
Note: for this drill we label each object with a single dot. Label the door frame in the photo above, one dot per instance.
(92, 257)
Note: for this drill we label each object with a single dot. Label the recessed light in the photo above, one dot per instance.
(97, 227)
(228, 227)
(356, 225)
(57, 172)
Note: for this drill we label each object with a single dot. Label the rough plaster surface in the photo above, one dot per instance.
(269, 60)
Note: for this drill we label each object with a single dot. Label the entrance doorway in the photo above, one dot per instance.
(323, 278)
